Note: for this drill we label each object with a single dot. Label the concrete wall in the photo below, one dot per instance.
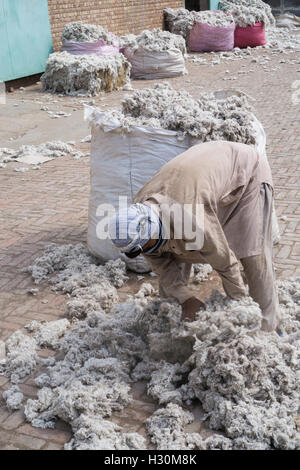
(118, 16)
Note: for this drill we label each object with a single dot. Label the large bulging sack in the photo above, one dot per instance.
(206, 38)
(121, 163)
(149, 65)
(250, 36)
(86, 48)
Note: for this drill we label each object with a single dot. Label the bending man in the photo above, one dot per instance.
(224, 191)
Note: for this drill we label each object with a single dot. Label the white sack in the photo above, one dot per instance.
(149, 65)
(121, 163)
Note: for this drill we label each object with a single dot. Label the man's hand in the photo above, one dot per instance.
(190, 307)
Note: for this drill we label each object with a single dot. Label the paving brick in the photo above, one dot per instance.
(4, 414)
(28, 442)
(3, 380)
(51, 434)
(14, 420)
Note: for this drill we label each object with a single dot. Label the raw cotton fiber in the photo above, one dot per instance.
(47, 334)
(90, 286)
(36, 154)
(247, 381)
(248, 12)
(21, 357)
(77, 31)
(201, 272)
(13, 398)
(155, 40)
(85, 74)
(205, 119)
(181, 21)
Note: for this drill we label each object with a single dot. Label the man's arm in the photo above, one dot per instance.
(173, 280)
(173, 276)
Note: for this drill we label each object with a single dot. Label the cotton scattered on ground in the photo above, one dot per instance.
(21, 357)
(89, 285)
(35, 155)
(13, 398)
(85, 74)
(48, 334)
(246, 380)
(77, 31)
(204, 119)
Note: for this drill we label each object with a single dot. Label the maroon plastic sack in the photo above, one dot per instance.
(86, 48)
(250, 36)
(206, 38)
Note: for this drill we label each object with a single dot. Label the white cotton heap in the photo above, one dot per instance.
(77, 31)
(77, 273)
(85, 74)
(205, 119)
(100, 434)
(289, 298)
(13, 398)
(181, 21)
(282, 40)
(247, 381)
(162, 385)
(21, 357)
(155, 40)
(167, 430)
(248, 12)
(36, 154)
(166, 427)
(48, 334)
(216, 19)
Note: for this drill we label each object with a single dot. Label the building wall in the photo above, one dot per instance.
(285, 6)
(118, 16)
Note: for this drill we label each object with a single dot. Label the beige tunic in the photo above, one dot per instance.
(225, 177)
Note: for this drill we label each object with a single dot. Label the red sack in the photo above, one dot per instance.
(250, 36)
(206, 38)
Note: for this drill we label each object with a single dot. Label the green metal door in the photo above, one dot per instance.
(214, 4)
(25, 38)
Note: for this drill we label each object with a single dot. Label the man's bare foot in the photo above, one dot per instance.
(190, 307)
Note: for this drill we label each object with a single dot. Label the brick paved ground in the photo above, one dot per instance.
(50, 205)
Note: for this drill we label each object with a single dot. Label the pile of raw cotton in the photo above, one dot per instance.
(155, 40)
(248, 12)
(85, 74)
(77, 31)
(37, 154)
(181, 21)
(283, 41)
(205, 119)
(247, 381)
(90, 286)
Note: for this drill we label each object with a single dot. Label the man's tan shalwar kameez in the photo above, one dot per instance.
(234, 184)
